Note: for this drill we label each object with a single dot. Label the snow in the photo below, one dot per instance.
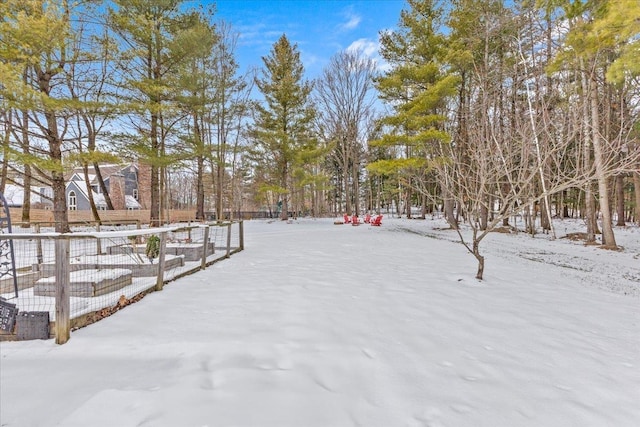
(91, 275)
(118, 259)
(317, 324)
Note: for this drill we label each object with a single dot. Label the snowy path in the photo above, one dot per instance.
(316, 324)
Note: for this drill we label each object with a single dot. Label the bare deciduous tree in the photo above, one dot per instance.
(345, 101)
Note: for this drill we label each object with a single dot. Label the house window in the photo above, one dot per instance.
(135, 193)
(73, 201)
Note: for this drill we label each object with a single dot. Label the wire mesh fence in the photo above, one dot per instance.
(80, 277)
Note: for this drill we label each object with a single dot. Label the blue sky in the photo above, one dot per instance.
(320, 28)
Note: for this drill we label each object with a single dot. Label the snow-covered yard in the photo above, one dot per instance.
(316, 324)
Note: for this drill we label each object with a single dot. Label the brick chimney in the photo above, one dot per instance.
(144, 185)
(116, 191)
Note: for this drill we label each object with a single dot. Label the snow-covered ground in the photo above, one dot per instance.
(317, 324)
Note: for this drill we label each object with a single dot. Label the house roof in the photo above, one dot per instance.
(79, 177)
(105, 169)
(130, 201)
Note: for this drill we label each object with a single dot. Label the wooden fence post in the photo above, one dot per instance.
(228, 241)
(205, 248)
(161, 263)
(63, 324)
(241, 231)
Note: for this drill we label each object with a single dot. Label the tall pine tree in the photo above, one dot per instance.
(157, 39)
(35, 53)
(417, 88)
(282, 130)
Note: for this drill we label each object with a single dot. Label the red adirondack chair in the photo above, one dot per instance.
(355, 220)
(367, 218)
(347, 220)
(377, 221)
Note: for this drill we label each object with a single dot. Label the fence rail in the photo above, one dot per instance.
(78, 278)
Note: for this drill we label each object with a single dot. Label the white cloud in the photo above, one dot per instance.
(353, 22)
(309, 59)
(370, 49)
(367, 47)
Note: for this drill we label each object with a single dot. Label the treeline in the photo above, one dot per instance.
(490, 108)
(527, 107)
(84, 83)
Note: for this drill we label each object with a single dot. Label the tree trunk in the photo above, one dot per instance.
(620, 201)
(544, 218)
(5, 157)
(448, 205)
(480, 258)
(284, 213)
(347, 193)
(200, 188)
(608, 237)
(103, 186)
(592, 214)
(529, 220)
(220, 163)
(26, 148)
(484, 216)
(356, 187)
(636, 186)
(26, 204)
(60, 214)
(587, 134)
(505, 209)
(154, 215)
(92, 202)
(407, 202)
(59, 199)
(219, 189)
(199, 168)
(89, 122)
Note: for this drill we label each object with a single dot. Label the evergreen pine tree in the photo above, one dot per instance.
(417, 87)
(282, 130)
